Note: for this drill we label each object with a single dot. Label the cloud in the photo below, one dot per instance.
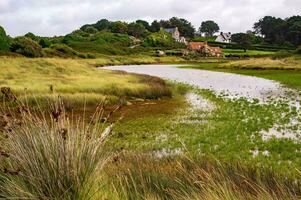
(59, 17)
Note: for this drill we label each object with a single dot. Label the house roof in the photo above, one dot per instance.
(226, 36)
(196, 45)
(170, 30)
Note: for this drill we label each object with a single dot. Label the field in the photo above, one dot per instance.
(161, 146)
(251, 53)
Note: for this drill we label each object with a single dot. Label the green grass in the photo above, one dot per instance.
(49, 156)
(220, 133)
(251, 53)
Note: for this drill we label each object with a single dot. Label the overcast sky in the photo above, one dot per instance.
(59, 17)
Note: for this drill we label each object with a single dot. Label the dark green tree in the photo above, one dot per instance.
(155, 26)
(44, 43)
(144, 23)
(119, 27)
(4, 40)
(209, 28)
(244, 40)
(91, 30)
(185, 27)
(137, 30)
(103, 24)
(31, 36)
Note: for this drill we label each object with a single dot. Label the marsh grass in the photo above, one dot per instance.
(76, 81)
(289, 63)
(137, 176)
(52, 155)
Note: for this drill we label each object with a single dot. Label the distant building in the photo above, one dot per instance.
(224, 38)
(175, 33)
(204, 49)
(196, 46)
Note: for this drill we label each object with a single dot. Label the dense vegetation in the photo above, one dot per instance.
(280, 31)
(4, 40)
(121, 38)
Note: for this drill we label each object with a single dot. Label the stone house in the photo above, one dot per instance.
(175, 33)
(205, 50)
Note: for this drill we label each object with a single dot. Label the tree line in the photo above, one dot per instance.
(268, 30)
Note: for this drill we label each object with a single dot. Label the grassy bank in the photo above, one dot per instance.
(66, 158)
(225, 130)
(251, 53)
(78, 80)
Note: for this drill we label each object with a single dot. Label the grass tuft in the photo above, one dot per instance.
(50, 155)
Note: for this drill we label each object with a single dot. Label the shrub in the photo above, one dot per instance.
(298, 50)
(27, 47)
(50, 157)
(64, 49)
(4, 41)
(45, 43)
(91, 30)
(161, 39)
(31, 36)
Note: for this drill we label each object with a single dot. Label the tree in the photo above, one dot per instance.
(4, 40)
(155, 26)
(44, 43)
(31, 36)
(144, 23)
(91, 30)
(26, 47)
(209, 28)
(243, 40)
(136, 30)
(271, 28)
(119, 27)
(103, 24)
(185, 27)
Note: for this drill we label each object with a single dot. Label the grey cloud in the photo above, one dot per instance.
(58, 17)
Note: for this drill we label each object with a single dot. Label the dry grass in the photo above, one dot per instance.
(290, 63)
(77, 81)
(146, 177)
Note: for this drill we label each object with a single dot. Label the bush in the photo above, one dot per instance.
(298, 50)
(27, 47)
(161, 39)
(4, 40)
(64, 49)
(91, 30)
(45, 43)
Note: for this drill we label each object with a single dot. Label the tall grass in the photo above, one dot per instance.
(76, 81)
(50, 155)
(147, 177)
(290, 63)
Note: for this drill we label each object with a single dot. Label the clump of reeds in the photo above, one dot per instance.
(157, 87)
(51, 155)
(147, 177)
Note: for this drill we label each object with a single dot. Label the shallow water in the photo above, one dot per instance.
(232, 84)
